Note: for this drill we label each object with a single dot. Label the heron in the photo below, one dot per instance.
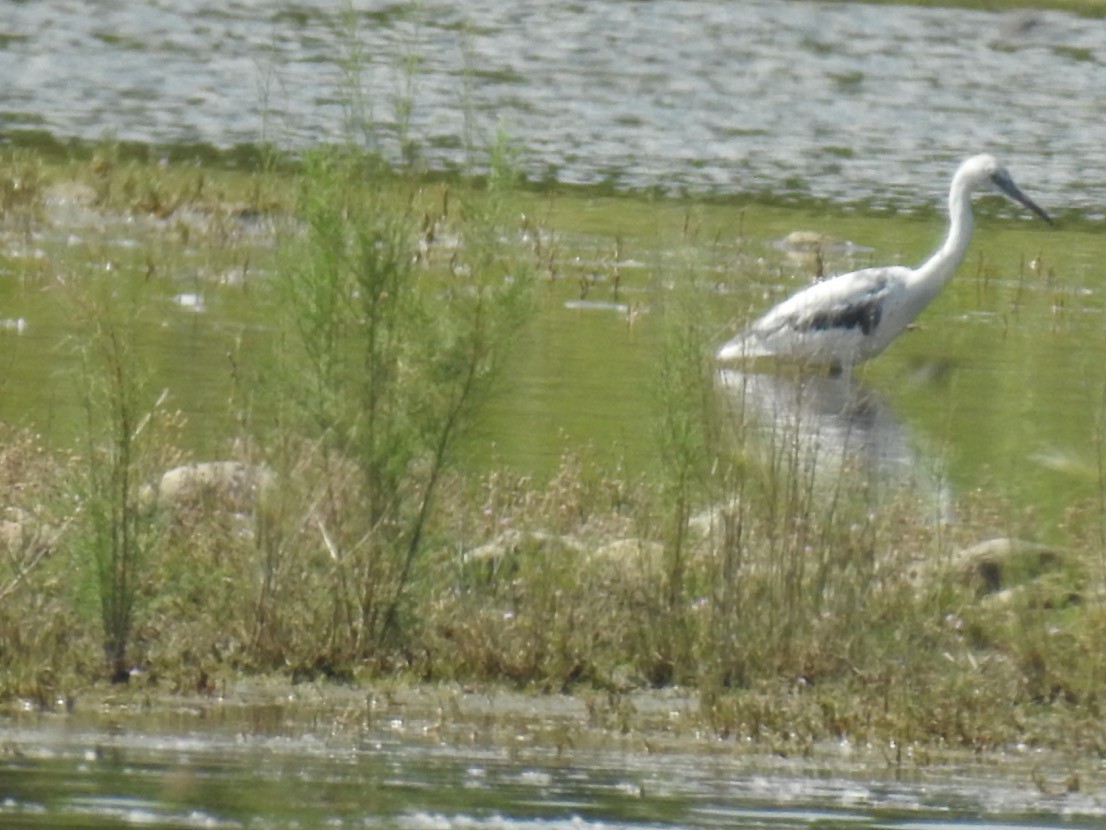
(849, 318)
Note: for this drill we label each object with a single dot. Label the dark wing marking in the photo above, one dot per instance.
(866, 315)
(863, 312)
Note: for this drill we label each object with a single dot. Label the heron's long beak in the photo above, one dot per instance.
(1004, 183)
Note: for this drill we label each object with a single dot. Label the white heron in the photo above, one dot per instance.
(852, 317)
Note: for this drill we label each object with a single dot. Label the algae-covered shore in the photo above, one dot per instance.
(342, 519)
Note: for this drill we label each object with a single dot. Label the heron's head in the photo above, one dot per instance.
(983, 172)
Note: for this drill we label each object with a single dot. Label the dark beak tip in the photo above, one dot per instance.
(1038, 210)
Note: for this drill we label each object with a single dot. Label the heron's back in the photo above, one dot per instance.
(840, 321)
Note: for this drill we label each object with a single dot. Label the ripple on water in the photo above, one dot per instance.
(218, 769)
(831, 101)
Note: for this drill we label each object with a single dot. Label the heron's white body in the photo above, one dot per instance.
(853, 317)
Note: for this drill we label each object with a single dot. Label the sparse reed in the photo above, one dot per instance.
(124, 448)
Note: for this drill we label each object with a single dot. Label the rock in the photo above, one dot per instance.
(240, 483)
(11, 534)
(502, 555)
(997, 564)
(627, 552)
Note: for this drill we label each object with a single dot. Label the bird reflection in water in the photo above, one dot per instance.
(832, 425)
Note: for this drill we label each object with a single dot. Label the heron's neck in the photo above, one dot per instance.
(937, 270)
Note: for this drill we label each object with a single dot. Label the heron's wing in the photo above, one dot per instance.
(849, 301)
(830, 315)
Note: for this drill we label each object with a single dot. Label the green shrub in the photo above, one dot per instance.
(382, 362)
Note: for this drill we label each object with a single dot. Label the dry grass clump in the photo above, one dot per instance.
(541, 599)
(200, 584)
(276, 576)
(21, 189)
(127, 180)
(840, 621)
(844, 623)
(532, 594)
(44, 641)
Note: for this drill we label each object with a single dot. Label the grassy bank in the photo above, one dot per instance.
(342, 537)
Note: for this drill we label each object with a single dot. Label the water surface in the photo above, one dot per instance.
(451, 760)
(856, 103)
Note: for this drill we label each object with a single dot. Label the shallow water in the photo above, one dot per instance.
(1000, 387)
(442, 759)
(855, 103)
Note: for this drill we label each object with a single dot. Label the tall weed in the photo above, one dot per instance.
(384, 360)
(124, 450)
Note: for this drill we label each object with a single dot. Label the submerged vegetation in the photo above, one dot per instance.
(346, 535)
